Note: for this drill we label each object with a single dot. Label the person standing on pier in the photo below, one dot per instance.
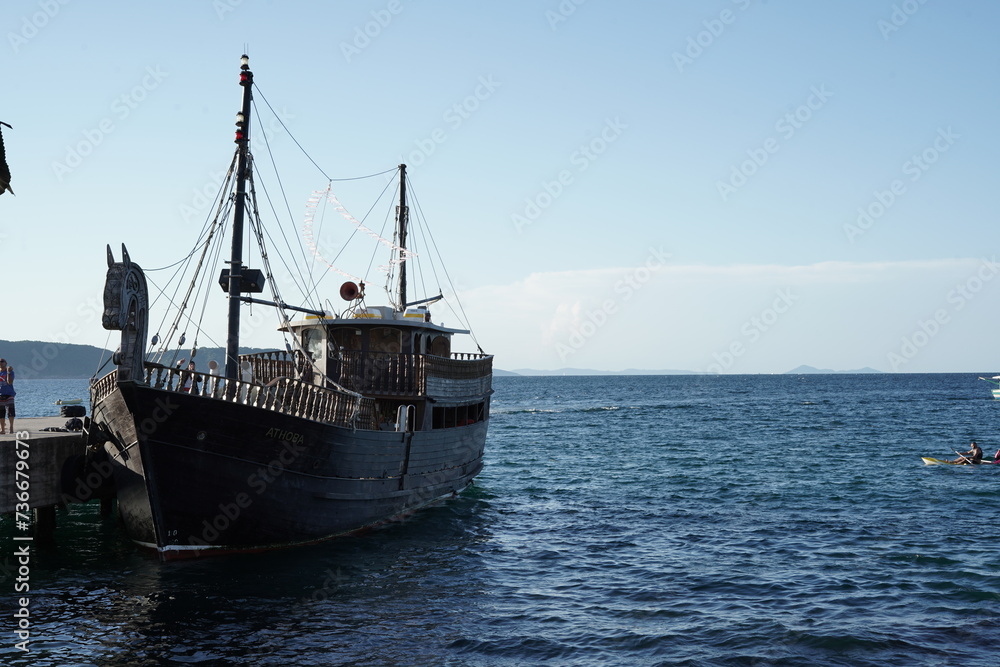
(7, 394)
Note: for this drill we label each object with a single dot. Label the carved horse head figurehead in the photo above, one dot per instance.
(125, 309)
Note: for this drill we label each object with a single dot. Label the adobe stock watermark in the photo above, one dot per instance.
(332, 582)
(787, 126)
(22, 520)
(202, 199)
(580, 160)
(915, 167)
(223, 7)
(562, 13)
(90, 481)
(752, 330)
(365, 34)
(926, 329)
(454, 117)
(899, 17)
(258, 481)
(625, 288)
(121, 108)
(89, 310)
(36, 22)
(704, 39)
(206, 197)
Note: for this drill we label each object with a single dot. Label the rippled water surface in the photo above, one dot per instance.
(678, 520)
(37, 398)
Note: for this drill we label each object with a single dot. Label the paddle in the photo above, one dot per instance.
(962, 456)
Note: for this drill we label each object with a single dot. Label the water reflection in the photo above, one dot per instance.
(109, 604)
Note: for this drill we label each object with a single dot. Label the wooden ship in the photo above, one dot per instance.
(368, 416)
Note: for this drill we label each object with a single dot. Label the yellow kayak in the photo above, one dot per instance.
(931, 461)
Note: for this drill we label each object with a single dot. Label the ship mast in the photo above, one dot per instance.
(236, 254)
(402, 216)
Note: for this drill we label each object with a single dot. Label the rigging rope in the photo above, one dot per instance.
(288, 209)
(204, 303)
(292, 137)
(310, 237)
(464, 319)
(182, 309)
(301, 282)
(223, 187)
(257, 227)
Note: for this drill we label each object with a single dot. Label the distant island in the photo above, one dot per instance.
(591, 371)
(36, 359)
(804, 370)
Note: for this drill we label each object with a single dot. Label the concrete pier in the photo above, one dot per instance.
(46, 469)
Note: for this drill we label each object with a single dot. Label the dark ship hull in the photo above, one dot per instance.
(199, 475)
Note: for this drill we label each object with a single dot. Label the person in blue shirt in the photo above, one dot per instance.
(7, 394)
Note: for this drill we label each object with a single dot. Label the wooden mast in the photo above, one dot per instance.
(402, 216)
(236, 254)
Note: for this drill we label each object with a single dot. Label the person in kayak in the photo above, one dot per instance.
(974, 455)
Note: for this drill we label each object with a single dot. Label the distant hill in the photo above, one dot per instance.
(44, 360)
(807, 370)
(40, 359)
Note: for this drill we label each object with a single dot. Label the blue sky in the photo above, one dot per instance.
(734, 186)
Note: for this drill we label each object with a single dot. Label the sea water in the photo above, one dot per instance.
(37, 398)
(670, 520)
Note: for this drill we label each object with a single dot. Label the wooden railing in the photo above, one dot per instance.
(274, 387)
(457, 378)
(102, 388)
(461, 366)
(407, 374)
(377, 373)
(267, 366)
(281, 394)
(383, 373)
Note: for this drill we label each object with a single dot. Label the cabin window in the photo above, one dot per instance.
(384, 339)
(312, 343)
(346, 339)
(440, 346)
(457, 415)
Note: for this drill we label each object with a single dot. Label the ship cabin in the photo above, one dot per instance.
(401, 360)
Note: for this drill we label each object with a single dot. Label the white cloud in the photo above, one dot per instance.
(758, 318)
